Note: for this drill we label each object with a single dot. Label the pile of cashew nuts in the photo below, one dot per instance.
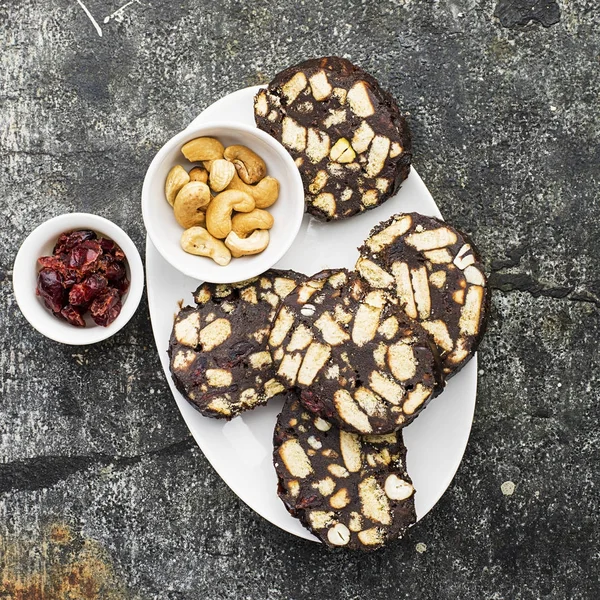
(233, 221)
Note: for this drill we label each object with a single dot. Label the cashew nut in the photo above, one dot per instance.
(342, 151)
(265, 192)
(253, 244)
(190, 203)
(250, 167)
(202, 148)
(245, 223)
(176, 179)
(198, 241)
(218, 213)
(199, 174)
(221, 173)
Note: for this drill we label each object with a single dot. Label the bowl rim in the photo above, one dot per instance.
(26, 259)
(196, 131)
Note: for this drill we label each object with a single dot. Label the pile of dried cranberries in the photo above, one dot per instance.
(85, 272)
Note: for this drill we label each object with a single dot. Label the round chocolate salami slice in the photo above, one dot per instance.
(350, 490)
(436, 274)
(346, 134)
(357, 359)
(218, 350)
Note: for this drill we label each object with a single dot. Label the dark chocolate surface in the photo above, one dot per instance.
(352, 491)
(218, 349)
(355, 357)
(308, 107)
(437, 275)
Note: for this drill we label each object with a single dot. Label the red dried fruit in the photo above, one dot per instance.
(106, 307)
(119, 254)
(108, 246)
(70, 276)
(70, 239)
(83, 293)
(314, 404)
(84, 254)
(50, 289)
(113, 270)
(308, 501)
(83, 271)
(52, 262)
(121, 286)
(73, 316)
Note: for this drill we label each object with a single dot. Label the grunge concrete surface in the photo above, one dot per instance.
(103, 493)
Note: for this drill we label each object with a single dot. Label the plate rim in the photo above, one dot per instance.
(183, 405)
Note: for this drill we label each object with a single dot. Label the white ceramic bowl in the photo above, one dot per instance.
(40, 242)
(165, 232)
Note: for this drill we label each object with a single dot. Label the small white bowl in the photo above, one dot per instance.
(165, 232)
(40, 242)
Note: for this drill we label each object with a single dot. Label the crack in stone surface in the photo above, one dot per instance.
(513, 258)
(45, 471)
(523, 282)
(519, 13)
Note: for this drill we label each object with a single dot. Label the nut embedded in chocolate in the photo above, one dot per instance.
(345, 133)
(218, 351)
(356, 357)
(351, 491)
(437, 277)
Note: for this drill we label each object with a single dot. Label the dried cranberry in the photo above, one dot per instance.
(121, 286)
(52, 262)
(77, 275)
(83, 293)
(106, 307)
(84, 254)
(312, 402)
(112, 270)
(235, 355)
(108, 246)
(73, 316)
(72, 277)
(70, 239)
(308, 501)
(118, 254)
(115, 271)
(50, 289)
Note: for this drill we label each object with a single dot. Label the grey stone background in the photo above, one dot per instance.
(103, 493)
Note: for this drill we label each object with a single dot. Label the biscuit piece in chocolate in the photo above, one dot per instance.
(437, 276)
(350, 490)
(356, 357)
(218, 350)
(347, 136)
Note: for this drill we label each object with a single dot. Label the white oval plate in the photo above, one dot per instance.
(241, 450)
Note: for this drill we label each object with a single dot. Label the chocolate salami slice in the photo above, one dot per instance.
(218, 350)
(347, 136)
(437, 276)
(357, 359)
(350, 490)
